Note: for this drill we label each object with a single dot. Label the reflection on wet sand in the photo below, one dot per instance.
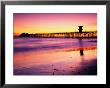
(68, 59)
(81, 49)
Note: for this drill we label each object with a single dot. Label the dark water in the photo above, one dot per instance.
(53, 56)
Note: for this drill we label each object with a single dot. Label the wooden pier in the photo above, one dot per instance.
(79, 34)
(62, 35)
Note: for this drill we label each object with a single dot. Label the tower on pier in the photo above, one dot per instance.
(80, 29)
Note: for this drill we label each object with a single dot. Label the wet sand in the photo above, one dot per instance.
(56, 63)
(89, 69)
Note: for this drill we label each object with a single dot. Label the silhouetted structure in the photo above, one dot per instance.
(80, 34)
(80, 29)
(62, 35)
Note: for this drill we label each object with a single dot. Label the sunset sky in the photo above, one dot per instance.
(53, 22)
